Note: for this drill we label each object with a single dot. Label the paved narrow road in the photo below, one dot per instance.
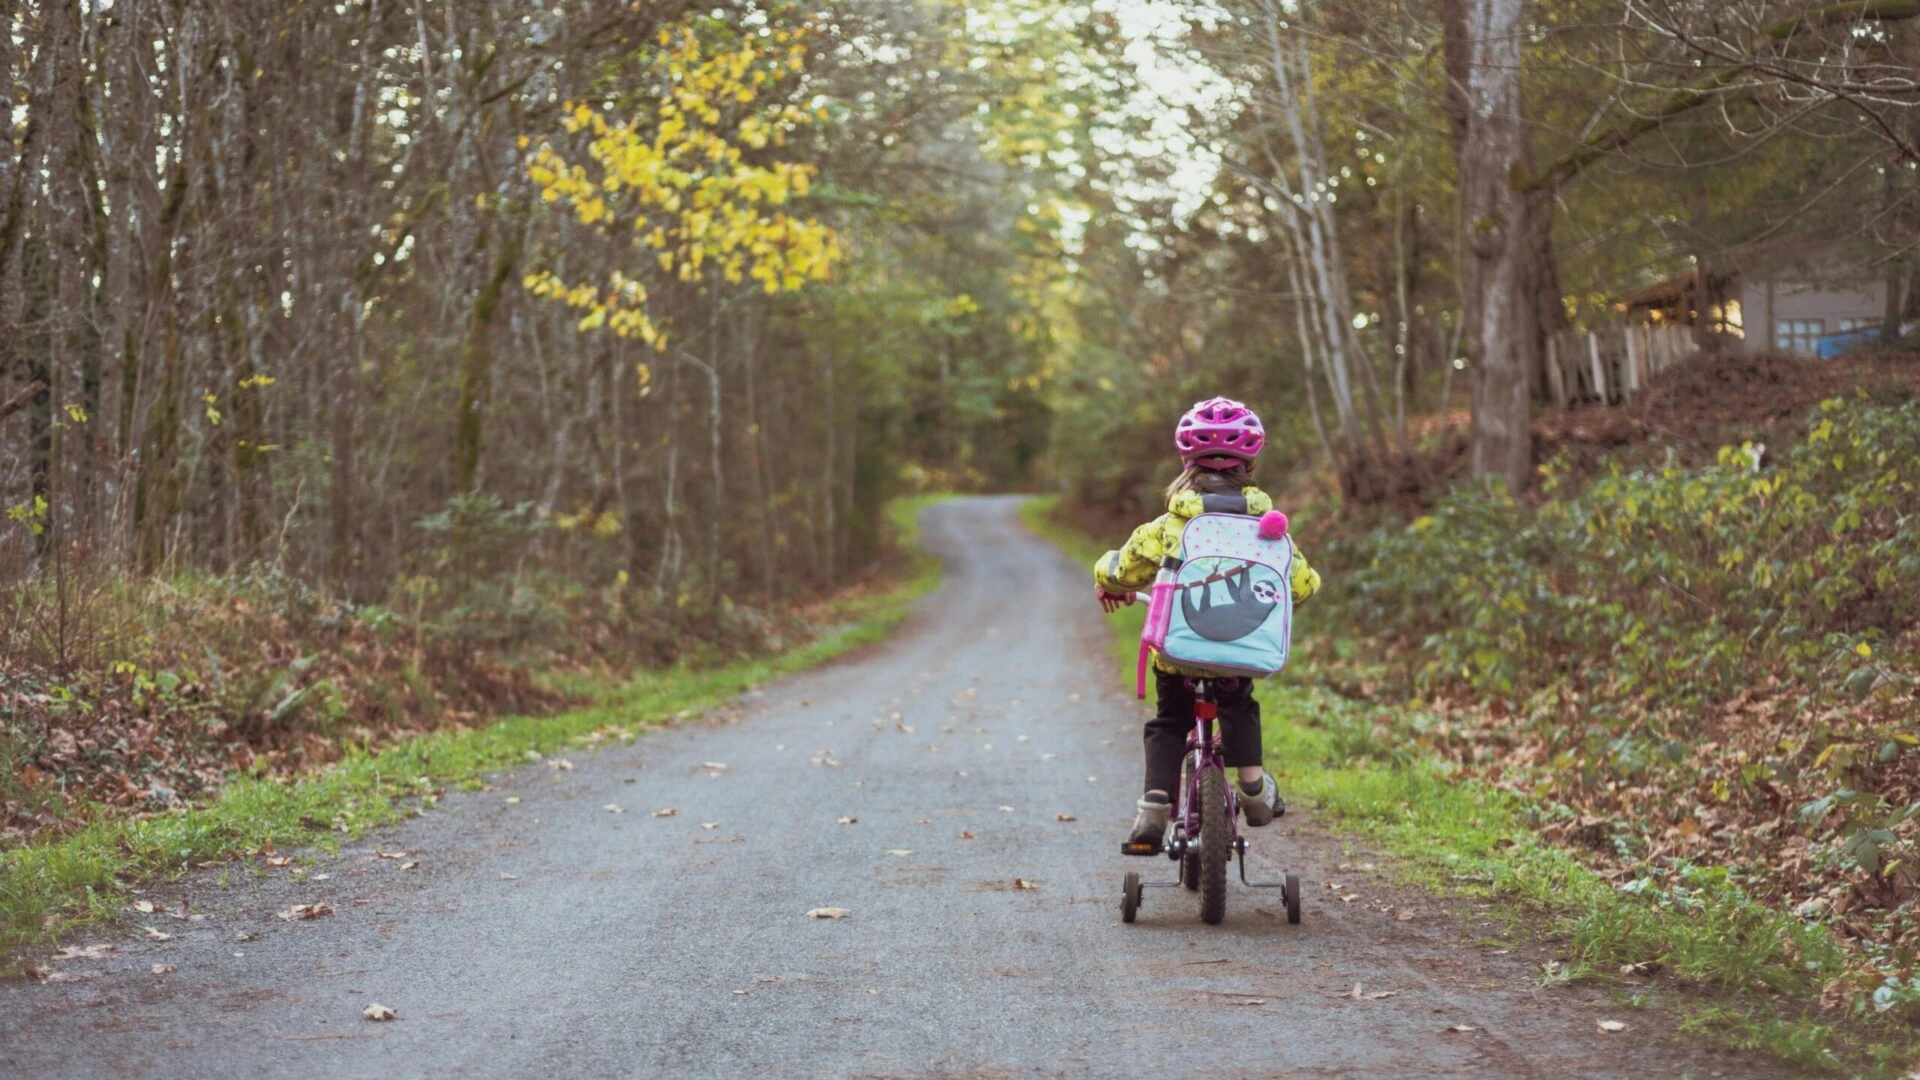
(543, 934)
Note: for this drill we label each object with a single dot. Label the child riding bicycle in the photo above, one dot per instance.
(1218, 440)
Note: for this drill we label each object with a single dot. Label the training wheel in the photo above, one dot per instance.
(1130, 891)
(1293, 898)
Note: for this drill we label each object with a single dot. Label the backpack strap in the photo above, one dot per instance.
(1223, 504)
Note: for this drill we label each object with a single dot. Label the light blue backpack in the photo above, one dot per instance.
(1225, 603)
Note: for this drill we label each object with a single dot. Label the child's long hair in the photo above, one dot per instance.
(1227, 481)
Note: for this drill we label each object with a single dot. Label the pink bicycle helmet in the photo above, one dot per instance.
(1219, 433)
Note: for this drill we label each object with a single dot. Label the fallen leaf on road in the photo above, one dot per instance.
(322, 877)
(162, 969)
(504, 876)
(1404, 916)
(904, 729)
(410, 864)
(1360, 994)
(709, 824)
(278, 860)
(246, 935)
(612, 809)
(1021, 884)
(900, 852)
(1611, 1026)
(1642, 968)
(1006, 809)
(1251, 1001)
(306, 911)
(739, 993)
(848, 821)
(961, 772)
(828, 913)
(83, 952)
(145, 907)
(714, 766)
(1019, 738)
(157, 935)
(1065, 817)
(70, 976)
(562, 764)
(666, 811)
(1348, 898)
(377, 1011)
(389, 854)
(966, 836)
(512, 800)
(924, 821)
(1461, 1028)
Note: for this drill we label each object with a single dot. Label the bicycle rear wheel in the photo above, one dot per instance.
(1215, 844)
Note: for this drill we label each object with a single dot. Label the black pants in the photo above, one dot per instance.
(1166, 734)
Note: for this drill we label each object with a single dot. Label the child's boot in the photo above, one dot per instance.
(1261, 801)
(1149, 825)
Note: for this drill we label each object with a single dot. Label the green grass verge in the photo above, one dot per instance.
(1362, 765)
(50, 889)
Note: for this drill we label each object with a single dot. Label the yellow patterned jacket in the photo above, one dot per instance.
(1133, 566)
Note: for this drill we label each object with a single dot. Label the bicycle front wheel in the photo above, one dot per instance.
(1215, 844)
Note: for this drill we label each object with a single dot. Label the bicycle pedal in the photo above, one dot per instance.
(1129, 847)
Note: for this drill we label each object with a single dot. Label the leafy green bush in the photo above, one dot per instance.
(1668, 586)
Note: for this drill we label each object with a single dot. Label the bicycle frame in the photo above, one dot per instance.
(1204, 749)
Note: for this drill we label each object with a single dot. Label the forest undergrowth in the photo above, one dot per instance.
(155, 696)
(1688, 667)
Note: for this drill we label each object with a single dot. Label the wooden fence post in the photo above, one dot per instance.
(1599, 375)
(1556, 378)
(1634, 350)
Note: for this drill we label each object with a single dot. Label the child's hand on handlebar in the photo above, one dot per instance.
(1112, 602)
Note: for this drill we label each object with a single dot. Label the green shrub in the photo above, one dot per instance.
(1669, 586)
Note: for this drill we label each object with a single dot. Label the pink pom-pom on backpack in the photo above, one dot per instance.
(1273, 525)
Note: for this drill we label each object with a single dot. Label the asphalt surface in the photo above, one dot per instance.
(543, 933)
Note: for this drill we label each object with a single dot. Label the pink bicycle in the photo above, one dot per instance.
(1203, 832)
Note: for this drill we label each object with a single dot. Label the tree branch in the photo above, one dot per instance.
(19, 401)
(1689, 98)
(1850, 11)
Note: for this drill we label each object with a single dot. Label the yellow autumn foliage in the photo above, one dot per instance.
(680, 182)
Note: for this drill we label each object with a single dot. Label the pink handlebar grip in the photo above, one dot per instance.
(1140, 672)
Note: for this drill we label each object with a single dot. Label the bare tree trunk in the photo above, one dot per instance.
(1403, 311)
(476, 361)
(1500, 313)
(1342, 465)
